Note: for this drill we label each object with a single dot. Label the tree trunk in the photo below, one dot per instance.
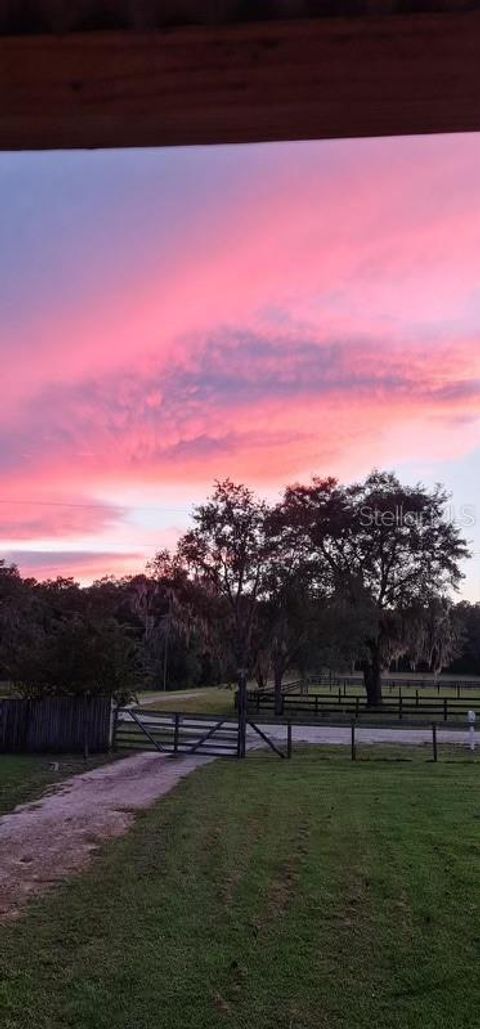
(242, 715)
(372, 675)
(260, 678)
(278, 680)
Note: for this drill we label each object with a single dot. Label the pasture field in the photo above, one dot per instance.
(215, 701)
(407, 689)
(220, 701)
(311, 894)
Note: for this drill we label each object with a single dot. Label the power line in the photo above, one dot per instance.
(134, 545)
(95, 507)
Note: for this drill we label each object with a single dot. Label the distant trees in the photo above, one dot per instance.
(466, 661)
(226, 552)
(386, 548)
(290, 597)
(331, 576)
(255, 566)
(434, 635)
(50, 642)
(75, 656)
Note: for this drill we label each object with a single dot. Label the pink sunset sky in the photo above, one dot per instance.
(263, 312)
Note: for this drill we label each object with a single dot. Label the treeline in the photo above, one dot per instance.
(331, 576)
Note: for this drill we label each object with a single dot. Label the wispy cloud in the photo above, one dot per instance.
(263, 312)
(82, 565)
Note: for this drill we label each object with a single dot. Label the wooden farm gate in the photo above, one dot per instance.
(175, 733)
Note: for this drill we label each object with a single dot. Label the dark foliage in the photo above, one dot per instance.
(329, 577)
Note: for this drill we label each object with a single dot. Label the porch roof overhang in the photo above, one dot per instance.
(116, 73)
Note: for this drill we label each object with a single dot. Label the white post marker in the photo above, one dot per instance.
(471, 719)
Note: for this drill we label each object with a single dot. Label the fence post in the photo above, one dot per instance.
(445, 710)
(434, 741)
(316, 703)
(354, 746)
(339, 694)
(458, 692)
(86, 738)
(175, 732)
(400, 706)
(289, 739)
(357, 706)
(242, 714)
(113, 724)
(416, 698)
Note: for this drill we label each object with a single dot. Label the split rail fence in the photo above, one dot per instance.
(315, 706)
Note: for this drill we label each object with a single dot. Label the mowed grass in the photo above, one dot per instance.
(407, 691)
(216, 701)
(24, 777)
(337, 704)
(270, 894)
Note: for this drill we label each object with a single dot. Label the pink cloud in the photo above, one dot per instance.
(84, 567)
(321, 314)
(374, 229)
(36, 518)
(255, 406)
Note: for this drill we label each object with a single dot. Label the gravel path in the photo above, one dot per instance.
(331, 734)
(43, 842)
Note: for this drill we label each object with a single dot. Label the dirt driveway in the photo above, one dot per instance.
(43, 842)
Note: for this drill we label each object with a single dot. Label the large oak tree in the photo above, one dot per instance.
(386, 547)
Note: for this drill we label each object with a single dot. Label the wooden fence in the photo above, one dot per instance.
(393, 682)
(171, 732)
(174, 733)
(324, 705)
(55, 724)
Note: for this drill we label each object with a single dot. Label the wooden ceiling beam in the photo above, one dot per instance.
(309, 79)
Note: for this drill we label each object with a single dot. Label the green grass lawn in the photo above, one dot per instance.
(337, 705)
(311, 894)
(357, 689)
(221, 701)
(24, 777)
(217, 701)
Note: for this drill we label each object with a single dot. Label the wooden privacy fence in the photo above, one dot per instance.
(55, 724)
(321, 705)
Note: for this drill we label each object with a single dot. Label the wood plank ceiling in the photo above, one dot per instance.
(93, 73)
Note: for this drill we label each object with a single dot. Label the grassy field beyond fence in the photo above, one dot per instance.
(407, 701)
